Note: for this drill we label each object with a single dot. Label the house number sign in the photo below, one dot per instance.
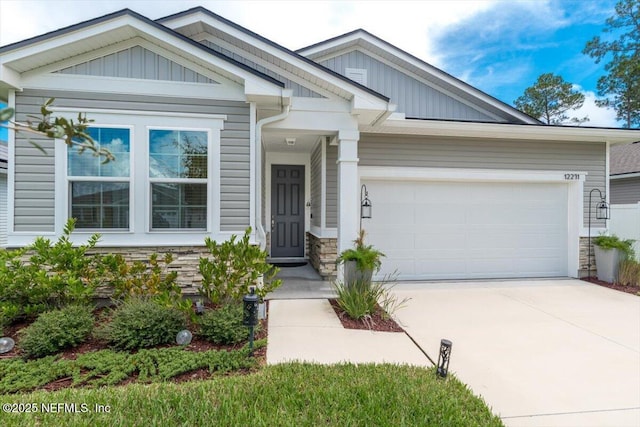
(571, 176)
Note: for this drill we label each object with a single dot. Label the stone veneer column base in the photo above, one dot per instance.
(323, 252)
(584, 258)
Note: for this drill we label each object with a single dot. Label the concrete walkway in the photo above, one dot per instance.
(301, 283)
(309, 331)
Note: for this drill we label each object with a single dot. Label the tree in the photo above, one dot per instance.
(74, 133)
(620, 87)
(549, 100)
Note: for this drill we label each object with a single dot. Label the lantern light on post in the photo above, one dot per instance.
(250, 315)
(443, 358)
(365, 204)
(602, 212)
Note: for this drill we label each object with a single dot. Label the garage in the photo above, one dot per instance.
(439, 229)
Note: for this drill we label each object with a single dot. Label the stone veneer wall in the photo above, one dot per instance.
(323, 252)
(584, 258)
(185, 261)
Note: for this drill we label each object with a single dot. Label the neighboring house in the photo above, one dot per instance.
(624, 174)
(216, 129)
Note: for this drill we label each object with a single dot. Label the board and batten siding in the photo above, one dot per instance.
(414, 98)
(404, 151)
(298, 89)
(316, 186)
(332, 186)
(34, 171)
(137, 63)
(624, 190)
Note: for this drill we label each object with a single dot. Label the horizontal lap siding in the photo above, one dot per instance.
(377, 150)
(316, 186)
(34, 177)
(414, 98)
(623, 191)
(332, 186)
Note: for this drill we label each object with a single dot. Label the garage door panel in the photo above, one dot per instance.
(454, 230)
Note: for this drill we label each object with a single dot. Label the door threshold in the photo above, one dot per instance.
(271, 260)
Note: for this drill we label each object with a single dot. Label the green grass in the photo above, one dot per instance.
(282, 395)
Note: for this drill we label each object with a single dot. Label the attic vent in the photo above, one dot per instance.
(358, 75)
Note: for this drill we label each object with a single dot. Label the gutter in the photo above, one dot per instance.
(261, 235)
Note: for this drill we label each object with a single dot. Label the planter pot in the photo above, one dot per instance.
(608, 263)
(354, 275)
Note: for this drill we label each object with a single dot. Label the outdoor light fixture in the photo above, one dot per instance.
(199, 307)
(250, 315)
(602, 212)
(6, 344)
(443, 358)
(365, 204)
(184, 337)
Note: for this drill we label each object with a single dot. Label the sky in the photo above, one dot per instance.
(498, 46)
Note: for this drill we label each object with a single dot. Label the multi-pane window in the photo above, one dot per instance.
(99, 192)
(178, 162)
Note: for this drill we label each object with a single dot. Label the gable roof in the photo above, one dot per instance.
(292, 55)
(363, 40)
(624, 159)
(32, 60)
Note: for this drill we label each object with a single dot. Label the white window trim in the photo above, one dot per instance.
(139, 233)
(70, 179)
(208, 180)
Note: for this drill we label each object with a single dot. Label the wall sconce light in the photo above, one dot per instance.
(250, 315)
(602, 212)
(290, 141)
(443, 358)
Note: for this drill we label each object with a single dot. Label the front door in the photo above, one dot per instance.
(287, 211)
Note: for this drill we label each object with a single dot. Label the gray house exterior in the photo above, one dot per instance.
(625, 174)
(217, 129)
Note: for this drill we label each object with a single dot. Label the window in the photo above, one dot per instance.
(178, 171)
(100, 192)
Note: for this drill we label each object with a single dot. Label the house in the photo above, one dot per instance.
(624, 174)
(216, 128)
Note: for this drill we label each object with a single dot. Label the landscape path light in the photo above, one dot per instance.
(250, 315)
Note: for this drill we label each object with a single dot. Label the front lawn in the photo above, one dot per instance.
(283, 395)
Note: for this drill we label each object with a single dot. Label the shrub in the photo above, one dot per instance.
(360, 299)
(142, 322)
(46, 275)
(629, 273)
(366, 257)
(234, 266)
(224, 325)
(614, 242)
(149, 280)
(56, 330)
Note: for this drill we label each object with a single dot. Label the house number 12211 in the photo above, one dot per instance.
(571, 176)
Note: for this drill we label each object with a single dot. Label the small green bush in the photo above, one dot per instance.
(224, 325)
(360, 299)
(140, 322)
(614, 242)
(56, 330)
(232, 267)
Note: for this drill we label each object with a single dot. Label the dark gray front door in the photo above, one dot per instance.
(287, 211)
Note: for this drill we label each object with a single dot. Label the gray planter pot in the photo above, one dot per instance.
(608, 263)
(354, 275)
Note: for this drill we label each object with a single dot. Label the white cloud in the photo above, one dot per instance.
(598, 116)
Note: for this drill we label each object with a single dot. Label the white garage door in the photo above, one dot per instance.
(469, 230)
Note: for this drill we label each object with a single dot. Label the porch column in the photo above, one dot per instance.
(348, 203)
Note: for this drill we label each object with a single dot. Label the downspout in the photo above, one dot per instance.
(260, 233)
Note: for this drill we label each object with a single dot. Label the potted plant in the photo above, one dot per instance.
(609, 252)
(360, 262)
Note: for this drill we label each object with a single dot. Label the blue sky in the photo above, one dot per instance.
(498, 46)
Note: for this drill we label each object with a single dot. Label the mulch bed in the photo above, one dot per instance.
(616, 286)
(377, 322)
(197, 344)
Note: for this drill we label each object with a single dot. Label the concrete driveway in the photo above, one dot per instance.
(541, 353)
